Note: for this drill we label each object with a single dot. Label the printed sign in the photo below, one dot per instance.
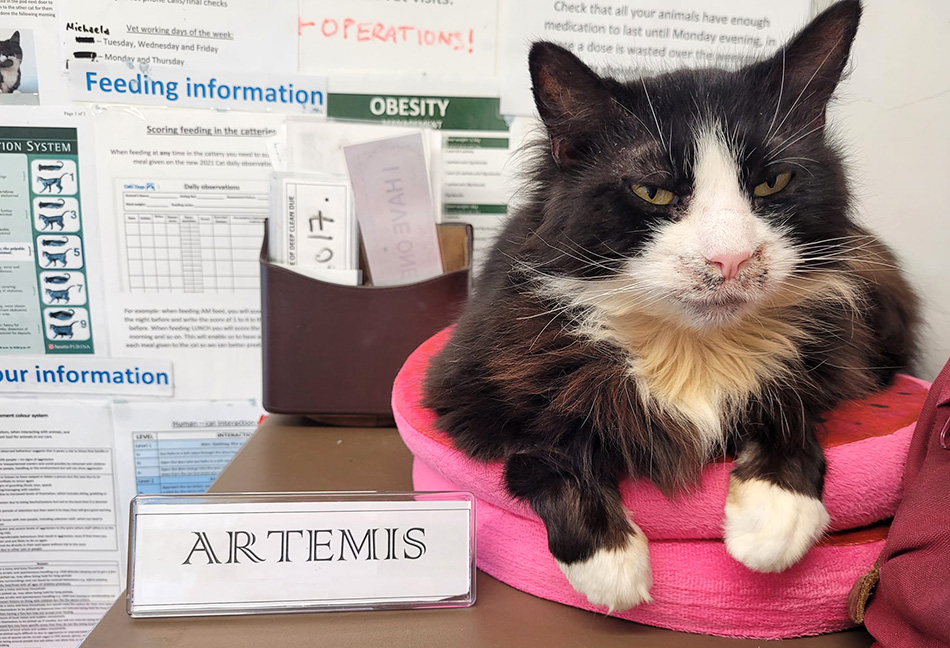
(226, 554)
(174, 87)
(86, 375)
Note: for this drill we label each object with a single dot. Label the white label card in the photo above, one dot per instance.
(199, 555)
(394, 208)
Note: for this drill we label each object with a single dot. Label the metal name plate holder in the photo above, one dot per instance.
(198, 555)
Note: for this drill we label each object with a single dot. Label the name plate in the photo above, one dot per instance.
(194, 555)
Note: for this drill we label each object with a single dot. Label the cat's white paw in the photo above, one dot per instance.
(617, 578)
(768, 528)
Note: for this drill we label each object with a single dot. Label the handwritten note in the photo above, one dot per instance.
(456, 36)
(214, 34)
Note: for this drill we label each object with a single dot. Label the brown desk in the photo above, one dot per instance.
(289, 455)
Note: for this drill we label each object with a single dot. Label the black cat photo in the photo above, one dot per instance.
(11, 59)
(685, 279)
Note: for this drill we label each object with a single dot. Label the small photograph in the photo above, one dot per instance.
(54, 177)
(18, 79)
(67, 323)
(59, 251)
(56, 214)
(63, 288)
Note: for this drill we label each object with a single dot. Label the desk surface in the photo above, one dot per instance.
(289, 455)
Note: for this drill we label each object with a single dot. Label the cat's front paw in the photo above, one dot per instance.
(616, 578)
(768, 528)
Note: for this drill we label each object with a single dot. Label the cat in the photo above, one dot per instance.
(11, 59)
(65, 330)
(685, 279)
(53, 259)
(47, 184)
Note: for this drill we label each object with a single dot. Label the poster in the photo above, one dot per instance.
(185, 203)
(474, 165)
(625, 39)
(61, 550)
(47, 243)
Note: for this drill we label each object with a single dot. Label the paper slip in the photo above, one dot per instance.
(394, 208)
(313, 229)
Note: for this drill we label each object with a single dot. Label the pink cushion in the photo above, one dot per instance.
(697, 587)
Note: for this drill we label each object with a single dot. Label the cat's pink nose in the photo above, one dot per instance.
(730, 264)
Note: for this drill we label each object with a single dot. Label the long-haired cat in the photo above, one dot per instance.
(685, 278)
(11, 58)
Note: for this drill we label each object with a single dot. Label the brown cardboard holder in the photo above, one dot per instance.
(331, 352)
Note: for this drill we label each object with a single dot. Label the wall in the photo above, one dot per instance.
(892, 112)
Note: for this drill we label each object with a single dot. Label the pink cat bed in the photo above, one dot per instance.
(697, 586)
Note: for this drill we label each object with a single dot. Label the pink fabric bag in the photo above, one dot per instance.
(910, 607)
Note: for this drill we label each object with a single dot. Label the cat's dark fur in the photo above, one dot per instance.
(11, 58)
(611, 337)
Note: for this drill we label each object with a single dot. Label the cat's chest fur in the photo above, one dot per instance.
(704, 379)
(9, 78)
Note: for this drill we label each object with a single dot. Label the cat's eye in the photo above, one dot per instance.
(653, 194)
(773, 185)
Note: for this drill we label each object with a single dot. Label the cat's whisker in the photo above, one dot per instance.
(807, 84)
(785, 159)
(778, 102)
(659, 130)
(793, 141)
(637, 117)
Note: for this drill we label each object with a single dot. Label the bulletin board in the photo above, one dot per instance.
(137, 143)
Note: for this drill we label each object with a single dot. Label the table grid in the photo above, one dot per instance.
(168, 463)
(193, 253)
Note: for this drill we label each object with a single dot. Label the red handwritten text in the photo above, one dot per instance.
(349, 29)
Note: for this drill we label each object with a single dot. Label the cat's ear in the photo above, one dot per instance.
(807, 70)
(570, 97)
(16, 37)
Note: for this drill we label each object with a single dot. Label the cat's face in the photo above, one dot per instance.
(11, 55)
(706, 192)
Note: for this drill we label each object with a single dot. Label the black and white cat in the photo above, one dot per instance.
(685, 279)
(11, 58)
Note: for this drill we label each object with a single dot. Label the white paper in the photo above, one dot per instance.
(456, 37)
(348, 553)
(316, 146)
(188, 197)
(312, 229)
(49, 241)
(61, 563)
(165, 85)
(476, 149)
(394, 209)
(166, 449)
(621, 39)
(215, 34)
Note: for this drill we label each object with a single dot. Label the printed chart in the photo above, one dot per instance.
(179, 461)
(182, 237)
(42, 256)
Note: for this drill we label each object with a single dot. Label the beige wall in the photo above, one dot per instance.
(894, 114)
